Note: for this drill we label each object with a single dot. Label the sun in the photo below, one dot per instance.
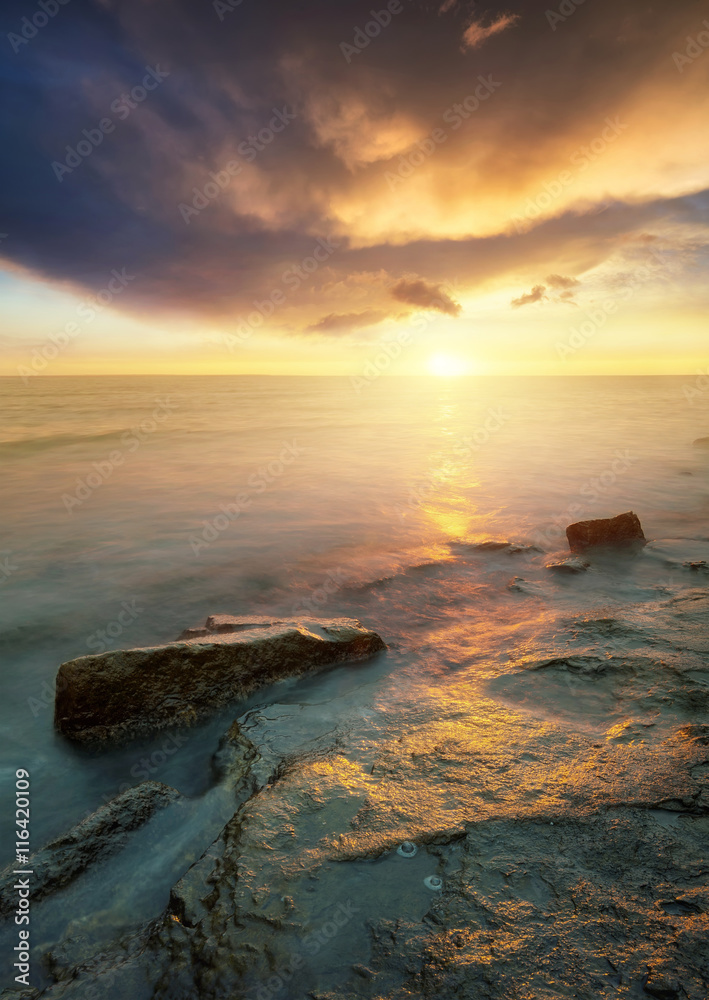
(446, 365)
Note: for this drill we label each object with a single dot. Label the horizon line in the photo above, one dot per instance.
(441, 378)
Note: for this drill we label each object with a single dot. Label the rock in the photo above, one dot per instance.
(234, 757)
(518, 585)
(700, 566)
(662, 989)
(701, 443)
(89, 842)
(228, 623)
(239, 765)
(572, 565)
(126, 693)
(363, 971)
(623, 530)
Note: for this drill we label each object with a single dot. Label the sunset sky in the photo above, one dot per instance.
(304, 188)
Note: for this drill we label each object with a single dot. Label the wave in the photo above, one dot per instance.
(511, 548)
(28, 446)
(408, 570)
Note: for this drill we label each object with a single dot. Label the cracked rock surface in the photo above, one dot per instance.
(550, 763)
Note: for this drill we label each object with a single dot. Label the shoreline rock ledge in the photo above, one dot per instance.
(124, 694)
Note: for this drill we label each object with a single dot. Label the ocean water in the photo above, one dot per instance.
(134, 507)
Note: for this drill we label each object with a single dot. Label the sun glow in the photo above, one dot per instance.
(447, 365)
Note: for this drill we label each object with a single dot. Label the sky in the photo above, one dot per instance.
(411, 187)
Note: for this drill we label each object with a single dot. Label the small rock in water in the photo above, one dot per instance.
(407, 849)
(519, 585)
(614, 532)
(700, 566)
(572, 565)
(433, 882)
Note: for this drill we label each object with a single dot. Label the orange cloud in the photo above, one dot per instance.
(536, 295)
(476, 33)
(344, 322)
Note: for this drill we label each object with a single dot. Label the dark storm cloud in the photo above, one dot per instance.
(229, 75)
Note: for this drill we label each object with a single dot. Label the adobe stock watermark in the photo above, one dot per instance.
(131, 441)
(593, 491)
(103, 638)
(257, 483)
(319, 596)
(98, 642)
(581, 159)
(87, 310)
(563, 13)
(696, 47)
(363, 37)
(7, 568)
(468, 446)
(144, 769)
(495, 420)
(249, 149)
(700, 387)
(597, 318)
(312, 944)
(455, 116)
(291, 279)
(222, 7)
(47, 696)
(122, 108)
(30, 27)
(390, 350)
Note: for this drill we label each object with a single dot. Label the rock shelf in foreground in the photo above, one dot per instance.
(132, 692)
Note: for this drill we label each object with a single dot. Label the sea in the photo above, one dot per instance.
(431, 509)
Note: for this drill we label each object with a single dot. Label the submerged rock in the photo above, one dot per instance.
(697, 566)
(623, 530)
(126, 693)
(99, 835)
(518, 585)
(571, 566)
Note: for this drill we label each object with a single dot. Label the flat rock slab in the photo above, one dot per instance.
(610, 532)
(128, 693)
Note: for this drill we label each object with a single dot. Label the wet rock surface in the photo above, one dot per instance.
(552, 883)
(553, 773)
(613, 532)
(88, 843)
(573, 909)
(127, 693)
(570, 566)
